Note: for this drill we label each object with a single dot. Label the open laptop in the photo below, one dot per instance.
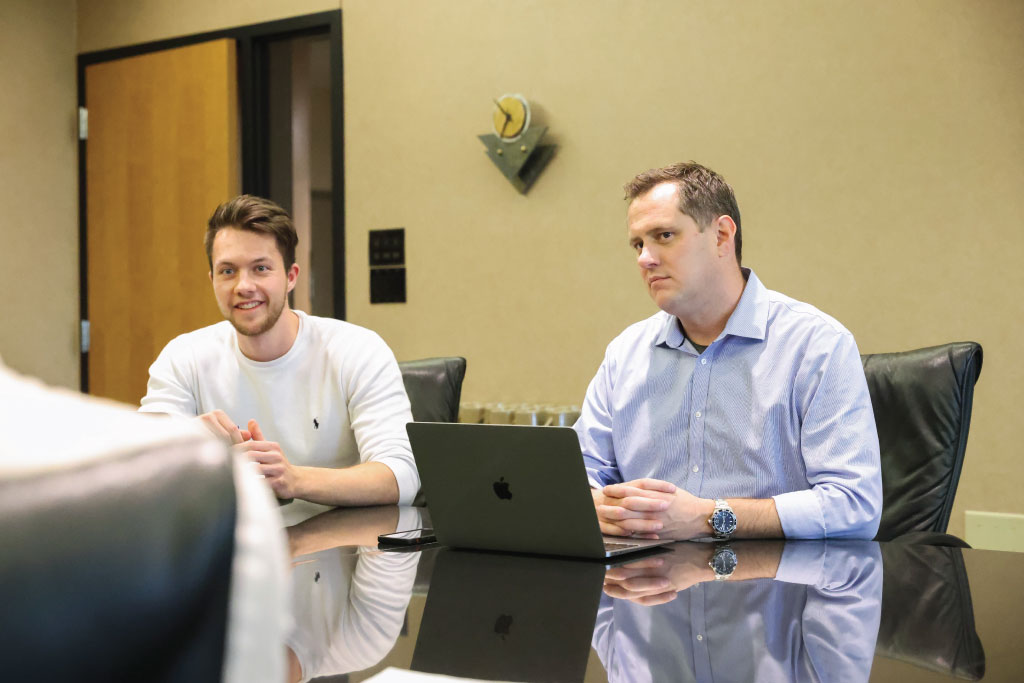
(512, 488)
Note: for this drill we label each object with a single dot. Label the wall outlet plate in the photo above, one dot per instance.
(994, 530)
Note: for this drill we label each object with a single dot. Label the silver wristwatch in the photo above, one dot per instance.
(722, 520)
(723, 562)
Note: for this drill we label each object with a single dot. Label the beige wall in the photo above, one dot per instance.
(875, 147)
(877, 150)
(38, 190)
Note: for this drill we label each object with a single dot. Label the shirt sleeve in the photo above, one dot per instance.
(802, 562)
(839, 446)
(846, 600)
(378, 411)
(170, 388)
(594, 429)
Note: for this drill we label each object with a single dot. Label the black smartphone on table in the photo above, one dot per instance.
(409, 537)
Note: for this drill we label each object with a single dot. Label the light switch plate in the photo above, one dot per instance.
(387, 247)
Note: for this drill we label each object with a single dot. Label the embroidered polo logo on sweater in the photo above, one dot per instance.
(316, 425)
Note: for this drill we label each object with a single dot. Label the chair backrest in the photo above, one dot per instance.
(434, 386)
(922, 404)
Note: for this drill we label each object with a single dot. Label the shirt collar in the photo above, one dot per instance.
(749, 318)
(671, 334)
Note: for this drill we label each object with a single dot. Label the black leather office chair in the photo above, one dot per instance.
(922, 404)
(434, 386)
(118, 568)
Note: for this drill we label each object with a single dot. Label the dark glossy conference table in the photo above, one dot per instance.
(795, 610)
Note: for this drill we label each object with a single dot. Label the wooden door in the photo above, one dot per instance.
(162, 153)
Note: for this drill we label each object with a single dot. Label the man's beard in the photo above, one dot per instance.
(272, 317)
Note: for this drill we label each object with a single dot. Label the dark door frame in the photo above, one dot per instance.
(252, 51)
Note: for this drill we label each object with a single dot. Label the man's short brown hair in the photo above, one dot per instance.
(246, 212)
(703, 194)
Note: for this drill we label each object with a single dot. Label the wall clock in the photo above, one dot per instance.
(514, 146)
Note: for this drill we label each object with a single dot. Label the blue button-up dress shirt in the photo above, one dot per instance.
(776, 407)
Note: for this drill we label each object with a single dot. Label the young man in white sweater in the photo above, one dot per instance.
(317, 403)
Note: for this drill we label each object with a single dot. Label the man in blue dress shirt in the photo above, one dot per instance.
(733, 403)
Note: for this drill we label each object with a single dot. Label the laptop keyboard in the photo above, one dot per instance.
(609, 545)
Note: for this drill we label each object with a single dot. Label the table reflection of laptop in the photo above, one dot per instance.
(507, 617)
(511, 488)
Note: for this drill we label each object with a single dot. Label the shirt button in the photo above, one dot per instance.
(696, 469)
(700, 637)
(697, 413)
(703, 361)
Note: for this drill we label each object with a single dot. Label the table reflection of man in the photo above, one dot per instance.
(348, 603)
(795, 611)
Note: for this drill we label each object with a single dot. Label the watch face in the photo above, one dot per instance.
(724, 561)
(723, 521)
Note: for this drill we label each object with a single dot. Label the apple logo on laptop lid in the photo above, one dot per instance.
(501, 489)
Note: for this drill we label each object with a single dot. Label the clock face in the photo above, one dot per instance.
(511, 117)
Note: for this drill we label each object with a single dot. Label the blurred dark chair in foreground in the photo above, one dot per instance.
(922, 404)
(118, 568)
